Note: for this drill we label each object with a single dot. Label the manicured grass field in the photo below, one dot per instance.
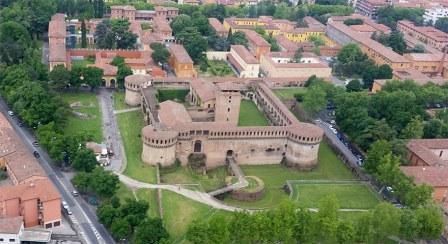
(177, 95)
(250, 115)
(179, 212)
(90, 125)
(119, 103)
(288, 93)
(184, 175)
(83, 62)
(149, 195)
(130, 124)
(274, 177)
(357, 196)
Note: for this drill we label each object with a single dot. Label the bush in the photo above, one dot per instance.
(197, 160)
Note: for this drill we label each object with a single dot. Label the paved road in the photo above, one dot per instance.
(111, 133)
(83, 217)
(45, 53)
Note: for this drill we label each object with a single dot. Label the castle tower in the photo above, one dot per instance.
(159, 146)
(228, 100)
(133, 84)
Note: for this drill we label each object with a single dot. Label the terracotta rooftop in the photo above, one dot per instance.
(425, 57)
(108, 69)
(433, 176)
(364, 40)
(423, 149)
(122, 7)
(312, 22)
(205, 89)
(38, 189)
(216, 25)
(287, 44)
(172, 113)
(363, 28)
(10, 225)
(23, 165)
(161, 24)
(244, 54)
(56, 27)
(8, 142)
(427, 31)
(256, 38)
(179, 53)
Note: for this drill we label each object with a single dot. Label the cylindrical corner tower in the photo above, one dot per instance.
(133, 84)
(159, 146)
(303, 145)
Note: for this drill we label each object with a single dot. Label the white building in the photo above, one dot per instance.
(433, 14)
(245, 64)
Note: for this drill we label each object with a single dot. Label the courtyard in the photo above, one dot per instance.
(250, 115)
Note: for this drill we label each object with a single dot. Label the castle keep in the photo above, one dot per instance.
(209, 125)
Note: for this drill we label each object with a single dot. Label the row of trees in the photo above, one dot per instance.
(390, 15)
(292, 224)
(61, 78)
(130, 221)
(83, 9)
(351, 61)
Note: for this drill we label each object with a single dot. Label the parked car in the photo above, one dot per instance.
(36, 154)
(35, 143)
(75, 193)
(11, 113)
(69, 212)
(64, 204)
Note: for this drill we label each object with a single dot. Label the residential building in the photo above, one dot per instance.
(218, 27)
(181, 62)
(246, 65)
(283, 65)
(427, 63)
(257, 44)
(409, 74)
(344, 34)
(38, 202)
(369, 8)
(202, 94)
(428, 161)
(433, 14)
(130, 13)
(428, 34)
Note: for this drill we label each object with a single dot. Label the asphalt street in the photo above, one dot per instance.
(83, 217)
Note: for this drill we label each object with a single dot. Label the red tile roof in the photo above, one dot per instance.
(179, 53)
(422, 148)
(256, 38)
(431, 175)
(216, 25)
(38, 189)
(244, 54)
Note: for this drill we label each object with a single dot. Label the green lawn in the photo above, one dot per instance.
(355, 195)
(124, 193)
(179, 212)
(119, 103)
(250, 115)
(149, 195)
(214, 179)
(177, 95)
(89, 106)
(288, 93)
(130, 124)
(83, 62)
(274, 177)
(218, 68)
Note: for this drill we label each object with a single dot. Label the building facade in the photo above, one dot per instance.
(429, 35)
(433, 14)
(246, 65)
(181, 62)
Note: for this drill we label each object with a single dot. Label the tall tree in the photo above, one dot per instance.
(150, 231)
(181, 22)
(376, 152)
(59, 77)
(194, 43)
(83, 34)
(15, 43)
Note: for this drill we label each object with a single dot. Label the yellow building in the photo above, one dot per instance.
(277, 27)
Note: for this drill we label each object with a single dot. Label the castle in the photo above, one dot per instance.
(209, 125)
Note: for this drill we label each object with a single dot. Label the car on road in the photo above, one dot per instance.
(333, 122)
(11, 113)
(35, 143)
(75, 193)
(36, 154)
(20, 124)
(64, 204)
(69, 212)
